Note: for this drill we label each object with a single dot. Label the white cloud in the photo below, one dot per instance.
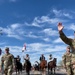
(50, 32)
(14, 30)
(35, 24)
(62, 13)
(57, 12)
(46, 39)
(58, 40)
(15, 36)
(47, 19)
(16, 25)
(72, 26)
(55, 48)
(43, 21)
(67, 15)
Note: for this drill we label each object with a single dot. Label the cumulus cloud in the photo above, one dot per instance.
(58, 40)
(62, 13)
(50, 32)
(47, 39)
(47, 19)
(72, 26)
(14, 30)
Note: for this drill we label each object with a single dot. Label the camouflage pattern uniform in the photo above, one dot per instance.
(8, 63)
(66, 58)
(71, 43)
(73, 62)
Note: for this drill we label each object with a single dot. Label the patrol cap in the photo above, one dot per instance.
(7, 48)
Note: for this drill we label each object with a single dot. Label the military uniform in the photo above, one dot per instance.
(8, 63)
(66, 58)
(71, 43)
(73, 62)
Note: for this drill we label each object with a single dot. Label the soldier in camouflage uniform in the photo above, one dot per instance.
(70, 42)
(66, 58)
(8, 62)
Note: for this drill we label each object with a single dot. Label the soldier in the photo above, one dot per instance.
(70, 42)
(8, 62)
(2, 66)
(73, 62)
(66, 58)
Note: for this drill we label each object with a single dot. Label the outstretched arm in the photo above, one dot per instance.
(63, 36)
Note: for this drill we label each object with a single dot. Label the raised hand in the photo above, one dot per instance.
(60, 27)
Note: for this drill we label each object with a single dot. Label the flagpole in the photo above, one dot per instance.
(23, 49)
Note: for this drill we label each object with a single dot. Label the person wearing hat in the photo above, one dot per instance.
(51, 57)
(8, 61)
(68, 41)
(67, 60)
(27, 57)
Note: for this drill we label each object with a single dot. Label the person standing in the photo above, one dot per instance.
(68, 41)
(8, 62)
(66, 59)
(2, 66)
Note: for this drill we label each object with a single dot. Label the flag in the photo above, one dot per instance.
(0, 51)
(24, 48)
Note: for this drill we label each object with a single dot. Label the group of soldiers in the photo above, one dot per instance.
(69, 57)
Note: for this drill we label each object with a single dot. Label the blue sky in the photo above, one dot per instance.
(34, 22)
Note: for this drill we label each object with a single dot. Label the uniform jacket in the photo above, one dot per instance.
(8, 60)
